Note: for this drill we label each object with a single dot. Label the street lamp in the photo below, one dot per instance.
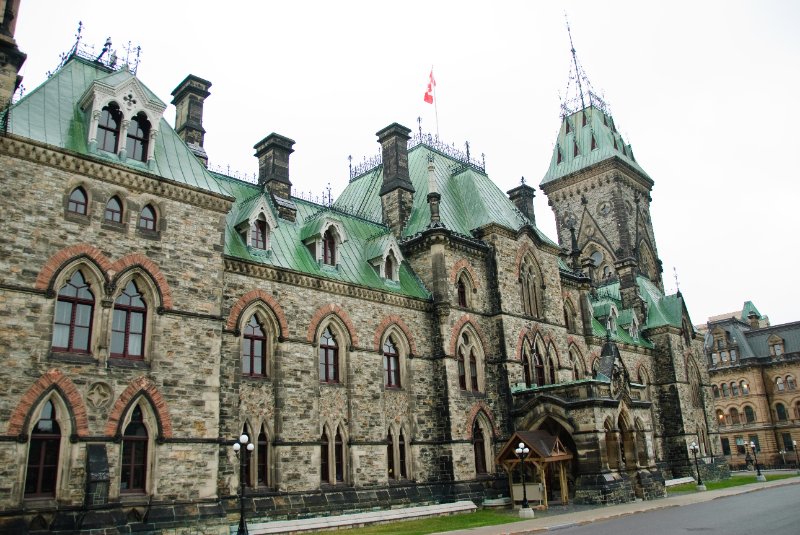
(783, 458)
(694, 449)
(796, 459)
(759, 475)
(522, 452)
(244, 441)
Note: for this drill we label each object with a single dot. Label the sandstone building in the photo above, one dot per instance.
(754, 368)
(378, 350)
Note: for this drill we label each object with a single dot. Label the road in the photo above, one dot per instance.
(775, 510)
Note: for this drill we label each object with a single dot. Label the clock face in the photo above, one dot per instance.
(604, 208)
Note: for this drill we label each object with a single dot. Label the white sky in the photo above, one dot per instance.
(702, 90)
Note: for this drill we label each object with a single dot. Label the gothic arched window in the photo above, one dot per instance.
(254, 349)
(108, 128)
(43, 452)
(391, 364)
(113, 211)
(138, 136)
(78, 201)
(72, 330)
(328, 358)
(128, 324)
(133, 467)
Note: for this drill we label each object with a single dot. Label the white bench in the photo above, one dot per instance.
(358, 519)
(679, 481)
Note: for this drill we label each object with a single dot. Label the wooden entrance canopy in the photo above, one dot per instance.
(545, 449)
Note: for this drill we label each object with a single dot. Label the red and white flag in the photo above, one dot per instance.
(429, 92)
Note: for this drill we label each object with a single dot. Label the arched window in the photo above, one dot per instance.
(462, 293)
(248, 458)
(113, 211)
(391, 364)
(108, 128)
(790, 382)
(780, 411)
(329, 247)
(128, 324)
(388, 267)
(473, 370)
(338, 452)
(328, 358)
(324, 456)
(734, 388)
(734, 416)
(72, 330)
(779, 384)
(462, 370)
(138, 134)
(570, 318)
(258, 233)
(724, 390)
(538, 367)
(720, 417)
(401, 450)
(390, 456)
(526, 368)
(530, 280)
(133, 468)
(42, 470)
(552, 366)
(262, 459)
(254, 349)
(745, 389)
(479, 448)
(749, 414)
(77, 201)
(575, 364)
(715, 390)
(147, 218)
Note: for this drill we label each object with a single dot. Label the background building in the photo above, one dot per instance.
(754, 368)
(378, 350)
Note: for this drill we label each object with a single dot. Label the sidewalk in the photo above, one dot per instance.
(574, 516)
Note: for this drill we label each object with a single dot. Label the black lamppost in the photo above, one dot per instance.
(796, 459)
(237, 446)
(694, 448)
(759, 475)
(522, 452)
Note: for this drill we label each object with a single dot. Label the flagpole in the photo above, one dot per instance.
(435, 106)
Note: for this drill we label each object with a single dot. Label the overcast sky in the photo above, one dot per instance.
(704, 92)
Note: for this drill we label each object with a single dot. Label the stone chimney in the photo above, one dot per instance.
(522, 197)
(188, 100)
(397, 192)
(628, 287)
(11, 58)
(753, 319)
(273, 171)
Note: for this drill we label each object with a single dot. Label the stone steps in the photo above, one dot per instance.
(358, 519)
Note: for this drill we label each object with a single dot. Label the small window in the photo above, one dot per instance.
(462, 293)
(724, 390)
(108, 128)
(324, 458)
(538, 368)
(788, 445)
(749, 414)
(388, 268)
(128, 324)
(594, 142)
(328, 358)
(734, 389)
(526, 370)
(391, 364)
(258, 233)
(329, 248)
(338, 453)
(583, 116)
(780, 411)
(133, 467)
(401, 446)
(473, 371)
(77, 201)
(42, 470)
(138, 134)
(254, 349)
(726, 446)
(462, 370)
(745, 388)
(390, 456)
(779, 384)
(733, 355)
(147, 218)
(790, 383)
(715, 390)
(479, 449)
(262, 454)
(734, 416)
(575, 148)
(113, 210)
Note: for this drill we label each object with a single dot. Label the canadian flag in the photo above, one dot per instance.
(429, 92)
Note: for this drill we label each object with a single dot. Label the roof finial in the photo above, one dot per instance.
(677, 285)
(575, 61)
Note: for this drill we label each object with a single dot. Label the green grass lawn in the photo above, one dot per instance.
(483, 517)
(733, 481)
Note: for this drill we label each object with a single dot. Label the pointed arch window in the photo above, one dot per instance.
(72, 330)
(391, 364)
(43, 452)
(133, 468)
(401, 452)
(128, 324)
(328, 358)
(138, 135)
(530, 282)
(262, 456)
(552, 367)
(113, 211)
(147, 218)
(78, 201)
(338, 453)
(108, 128)
(538, 368)
(258, 233)
(388, 268)
(324, 458)
(254, 349)
(462, 293)
(390, 455)
(479, 449)
(329, 247)
(462, 370)
(526, 368)
(248, 458)
(473, 370)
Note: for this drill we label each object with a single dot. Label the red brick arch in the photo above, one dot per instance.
(385, 324)
(480, 406)
(326, 310)
(246, 300)
(139, 385)
(463, 265)
(150, 267)
(55, 262)
(456, 330)
(53, 378)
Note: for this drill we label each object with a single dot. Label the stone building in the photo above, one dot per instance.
(754, 368)
(378, 350)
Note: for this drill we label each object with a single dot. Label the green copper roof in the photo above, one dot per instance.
(50, 114)
(596, 141)
(287, 250)
(749, 308)
(469, 198)
(661, 309)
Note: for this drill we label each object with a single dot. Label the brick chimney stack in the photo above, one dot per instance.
(397, 192)
(188, 100)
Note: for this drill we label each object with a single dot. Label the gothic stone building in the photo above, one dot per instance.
(754, 368)
(378, 351)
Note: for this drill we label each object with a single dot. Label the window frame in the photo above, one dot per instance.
(129, 311)
(329, 358)
(120, 211)
(248, 344)
(150, 223)
(109, 111)
(79, 207)
(329, 247)
(75, 302)
(54, 441)
(133, 440)
(392, 378)
(138, 137)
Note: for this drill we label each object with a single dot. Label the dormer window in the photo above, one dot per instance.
(389, 267)
(329, 247)
(258, 233)
(108, 128)
(138, 135)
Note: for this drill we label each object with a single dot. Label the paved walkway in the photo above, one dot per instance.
(560, 517)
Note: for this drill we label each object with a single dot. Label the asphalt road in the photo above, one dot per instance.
(775, 510)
